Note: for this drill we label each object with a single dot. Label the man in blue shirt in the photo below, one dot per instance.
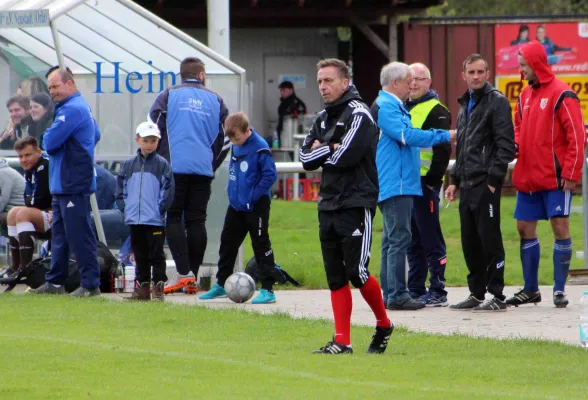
(191, 120)
(70, 143)
(398, 163)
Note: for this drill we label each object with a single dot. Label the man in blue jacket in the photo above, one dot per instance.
(190, 118)
(398, 163)
(70, 143)
(252, 172)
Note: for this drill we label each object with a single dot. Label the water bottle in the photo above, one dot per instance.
(275, 140)
(584, 320)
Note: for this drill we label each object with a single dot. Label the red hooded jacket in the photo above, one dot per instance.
(549, 129)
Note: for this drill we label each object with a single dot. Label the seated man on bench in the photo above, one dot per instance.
(34, 219)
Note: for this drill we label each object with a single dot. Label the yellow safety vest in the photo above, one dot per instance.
(418, 116)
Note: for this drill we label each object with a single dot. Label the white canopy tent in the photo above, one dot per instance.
(122, 56)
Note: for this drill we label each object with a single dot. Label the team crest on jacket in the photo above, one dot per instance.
(543, 103)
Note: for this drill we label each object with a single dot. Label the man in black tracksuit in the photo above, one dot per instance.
(485, 146)
(343, 141)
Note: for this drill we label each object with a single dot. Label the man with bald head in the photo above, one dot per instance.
(70, 143)
(427, 251)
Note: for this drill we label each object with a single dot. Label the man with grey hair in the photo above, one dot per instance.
(427, 250)
(397, 160)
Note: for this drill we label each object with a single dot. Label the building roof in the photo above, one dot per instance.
(284, 13)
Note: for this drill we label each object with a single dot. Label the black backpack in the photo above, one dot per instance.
(34, 273)
(278, 273)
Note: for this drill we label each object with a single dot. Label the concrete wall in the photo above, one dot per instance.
(250, 46)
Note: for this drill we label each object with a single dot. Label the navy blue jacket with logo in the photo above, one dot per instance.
(191, 120)
(145, 189)
(252, 172)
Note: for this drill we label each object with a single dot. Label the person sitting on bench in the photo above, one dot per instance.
(34, 219)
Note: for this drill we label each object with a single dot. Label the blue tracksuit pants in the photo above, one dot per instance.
(71, 231)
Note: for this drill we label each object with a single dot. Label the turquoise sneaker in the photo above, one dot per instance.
(216, 291)
(264, 297)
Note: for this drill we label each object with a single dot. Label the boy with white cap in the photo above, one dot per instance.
(145, 190)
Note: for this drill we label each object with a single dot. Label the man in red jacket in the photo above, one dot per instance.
(550, 137)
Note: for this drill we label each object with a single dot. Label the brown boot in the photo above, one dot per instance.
(141, 293)
(157, 293)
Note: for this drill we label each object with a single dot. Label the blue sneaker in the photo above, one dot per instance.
(432, 299)
(264, 297)
(216, 291)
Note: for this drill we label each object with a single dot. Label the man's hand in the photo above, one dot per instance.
(335, 145)
(49, 216)
(453, 135)
(492, 188)
(315, 144)
(450, 192)
(569, 185)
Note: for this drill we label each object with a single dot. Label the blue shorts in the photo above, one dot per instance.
(544, 204)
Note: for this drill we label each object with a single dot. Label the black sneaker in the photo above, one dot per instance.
(492, 305)
(334, 348)
(83, 292)
(468, 304)
(560, 299)
(407, 304)
(380, 339)
(524, 297)
(11, 276)
(48, 288)
(7, 273)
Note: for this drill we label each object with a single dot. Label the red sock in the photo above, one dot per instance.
(372, 294)
(342, 305)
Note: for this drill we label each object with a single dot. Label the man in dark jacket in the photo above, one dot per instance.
(485, 146)
(290, 106)
(343, 141)
(427, 250)
(26, 222)
(190, 118)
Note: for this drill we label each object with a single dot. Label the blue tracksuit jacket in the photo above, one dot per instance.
(191, 120)
(398, 154)
(252, 172)
(145, 189)
(70, 144)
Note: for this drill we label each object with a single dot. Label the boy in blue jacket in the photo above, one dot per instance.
(145, 190)
(252, 172)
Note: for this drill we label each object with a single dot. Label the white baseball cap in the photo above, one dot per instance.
(148, 128)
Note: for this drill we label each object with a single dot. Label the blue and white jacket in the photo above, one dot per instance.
(398, 155)
(191, 120)
(252, 172)
(145, 189)
(70, 144)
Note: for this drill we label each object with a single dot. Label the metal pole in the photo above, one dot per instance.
(218, 26)
(93, 202)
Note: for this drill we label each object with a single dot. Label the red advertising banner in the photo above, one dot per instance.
(566, 46)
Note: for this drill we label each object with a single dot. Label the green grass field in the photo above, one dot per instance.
(63, 348)
(294, 235)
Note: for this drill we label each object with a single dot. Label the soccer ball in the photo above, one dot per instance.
(240, 287)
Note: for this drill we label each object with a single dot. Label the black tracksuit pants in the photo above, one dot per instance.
(481, 239)
(186, 222)
(237, 225)
(147, 245)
